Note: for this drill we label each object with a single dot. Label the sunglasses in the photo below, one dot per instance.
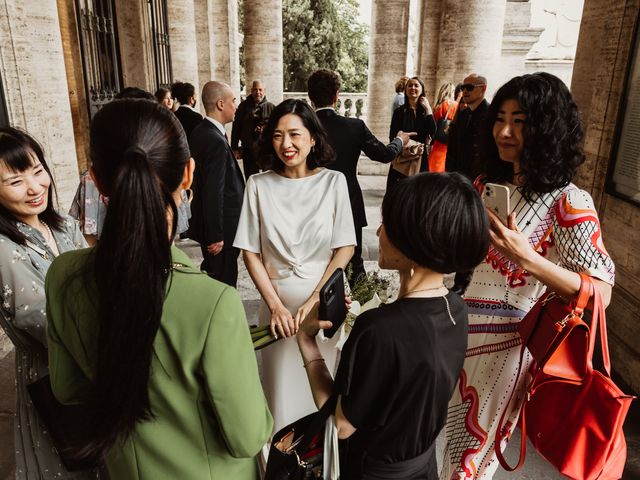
(470, 86)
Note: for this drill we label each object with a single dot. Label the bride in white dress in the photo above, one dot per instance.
(295, 229)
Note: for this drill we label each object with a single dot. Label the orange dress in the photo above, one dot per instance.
(438, 156)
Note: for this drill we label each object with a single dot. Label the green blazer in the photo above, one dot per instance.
(211, 416)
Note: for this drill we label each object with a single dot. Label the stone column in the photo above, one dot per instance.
(224, 37)
(37, 100)
(33, 69)
(471, 41)
(387, 60)
(429, 43)
(183, 42)
(263, 46)
(204, 19)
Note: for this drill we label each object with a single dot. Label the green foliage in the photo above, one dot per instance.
(368, 285)
(324, 34)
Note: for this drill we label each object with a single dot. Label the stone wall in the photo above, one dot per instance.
(601, 63)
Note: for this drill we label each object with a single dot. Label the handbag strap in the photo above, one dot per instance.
(586, 288)
(449, 110)
(318, 422)
(598, 316)
(497, 446)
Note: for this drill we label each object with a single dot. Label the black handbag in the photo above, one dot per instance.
(303, 459)
(68, 425)
(442, 130)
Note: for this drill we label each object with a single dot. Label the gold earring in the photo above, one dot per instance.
(189, 194)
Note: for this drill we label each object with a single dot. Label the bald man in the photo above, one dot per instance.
(251, 118)
(465, 146)
(218, 186)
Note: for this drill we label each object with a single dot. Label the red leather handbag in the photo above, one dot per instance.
(555, 334)
(577, 424)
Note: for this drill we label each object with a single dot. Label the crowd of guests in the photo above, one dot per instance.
(158, 349)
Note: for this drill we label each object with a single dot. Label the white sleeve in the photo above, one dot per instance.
(344, 233)
(578, 237)
(248, 233)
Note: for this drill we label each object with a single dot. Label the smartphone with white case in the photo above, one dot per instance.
(496, 198)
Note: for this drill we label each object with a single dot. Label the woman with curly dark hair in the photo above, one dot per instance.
(295, 229)
(552, 234)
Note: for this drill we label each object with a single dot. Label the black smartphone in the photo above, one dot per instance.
(332, 306)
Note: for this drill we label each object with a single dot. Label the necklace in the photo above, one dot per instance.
(49, 239)
(48, 234)
(431, 289)
(421, 290)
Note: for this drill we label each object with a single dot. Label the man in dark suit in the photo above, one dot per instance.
(349, 137)
(218, 186)
(189, 117)
(465, 148)
(251, 117)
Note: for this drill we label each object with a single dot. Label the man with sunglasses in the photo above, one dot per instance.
(464, 151)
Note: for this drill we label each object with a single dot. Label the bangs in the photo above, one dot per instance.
(18, 155)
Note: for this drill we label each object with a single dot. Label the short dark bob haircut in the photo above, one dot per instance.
(322, 87)
(438, 221)
(552, 134)
(182, 91)
(16, 149)
(321, 155)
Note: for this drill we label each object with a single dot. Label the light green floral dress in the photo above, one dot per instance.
(23, 317)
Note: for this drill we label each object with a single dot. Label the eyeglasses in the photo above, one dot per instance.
(470, 86)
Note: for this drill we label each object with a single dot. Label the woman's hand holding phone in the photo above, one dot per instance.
(509, 240)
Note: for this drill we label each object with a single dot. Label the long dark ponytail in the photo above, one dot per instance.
(138, 152)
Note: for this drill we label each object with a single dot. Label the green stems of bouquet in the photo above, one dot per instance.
(261, 337)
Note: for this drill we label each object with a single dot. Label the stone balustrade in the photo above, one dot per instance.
(349, 104)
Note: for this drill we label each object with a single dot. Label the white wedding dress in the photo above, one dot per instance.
(294, 224)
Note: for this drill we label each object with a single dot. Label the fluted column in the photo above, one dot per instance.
(263, 45)
(204, 40)
(387, 60)
(226, 56)
(183, 41)
(429, 42)
(471, 41)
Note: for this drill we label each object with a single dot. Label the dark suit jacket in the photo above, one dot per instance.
(188, 118)
(465, 149)
(218, 187)
(349, 137)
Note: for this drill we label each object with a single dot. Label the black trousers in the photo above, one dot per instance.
(356, 263)
(249, 162)
(222, 267)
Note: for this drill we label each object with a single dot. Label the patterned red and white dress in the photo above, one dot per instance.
(563, 227)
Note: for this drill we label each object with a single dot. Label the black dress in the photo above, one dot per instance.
(405, 119)
(397, 373)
